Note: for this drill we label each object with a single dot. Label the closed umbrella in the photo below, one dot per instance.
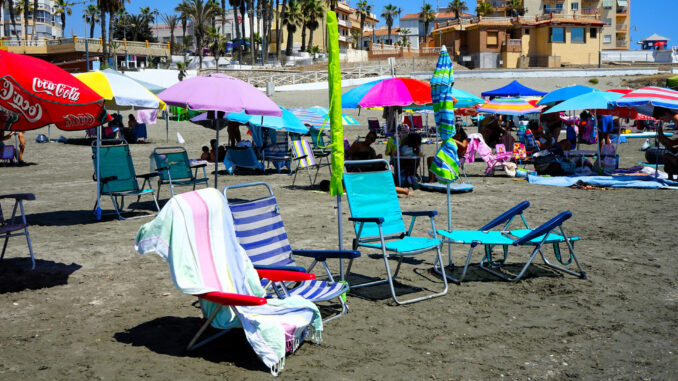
(219, 94)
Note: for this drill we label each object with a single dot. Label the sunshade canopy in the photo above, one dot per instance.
(513, 89)
(388, 92)
(645, 99)
(509, 106)
(591, 100)
(286, 122)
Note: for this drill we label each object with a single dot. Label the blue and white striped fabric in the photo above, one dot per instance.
(260, 231)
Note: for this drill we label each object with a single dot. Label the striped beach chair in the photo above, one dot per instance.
(261, 232)
(302, 154)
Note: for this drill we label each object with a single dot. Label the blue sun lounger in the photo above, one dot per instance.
(542, 235)
(378, 223)
(260, 231)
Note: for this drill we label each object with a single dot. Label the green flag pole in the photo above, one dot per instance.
(336, 127)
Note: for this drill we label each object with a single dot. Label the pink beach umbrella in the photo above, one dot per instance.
(222, 94)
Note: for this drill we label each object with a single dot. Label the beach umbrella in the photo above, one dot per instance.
(586, 101)
(120, 91)
(286, 122)
(219, 94)
(509, 106)
(645, 99)
(463, 99)
(346, 119)
(309, 118)
(35, 93)
(389, 93)
(564, 94)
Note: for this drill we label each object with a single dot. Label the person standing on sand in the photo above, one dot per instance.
(671, 145)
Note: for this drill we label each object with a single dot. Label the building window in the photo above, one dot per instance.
(578, 35)
(492, 38)
(608, 21)
(527, 32)
(557, 35)
(607, 39)
(594, 33)
(575, 6)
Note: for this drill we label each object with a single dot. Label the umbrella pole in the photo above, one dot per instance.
(397, 148)
(600, 162)
(340, 235)
(97, 210)
(215, 122)
(166, 125)
(449, 224)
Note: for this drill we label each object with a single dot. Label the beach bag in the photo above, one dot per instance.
(543, 162)
(610, 158)
(42, 138)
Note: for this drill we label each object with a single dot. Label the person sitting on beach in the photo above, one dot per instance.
(205, 155)
(410, 148)
(491, 131)
(128, 133)
(363, 150)
(213, 144)
(22, 143)
(671, 145)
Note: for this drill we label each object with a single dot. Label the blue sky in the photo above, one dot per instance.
(647, 16)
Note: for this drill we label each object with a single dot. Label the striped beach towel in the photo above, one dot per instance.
(194, 232)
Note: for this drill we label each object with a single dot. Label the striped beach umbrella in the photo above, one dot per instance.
(509, 106)
(346, 119)
(644, 100)
(310, 118)
(445, 163)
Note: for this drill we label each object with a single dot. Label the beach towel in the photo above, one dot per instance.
(194, 232)
(148, 116)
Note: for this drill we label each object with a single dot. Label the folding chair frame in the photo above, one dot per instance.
(194, 180)
(10, 229)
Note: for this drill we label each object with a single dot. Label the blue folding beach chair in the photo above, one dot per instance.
(378, 223)
(179, 169)
(242, 158)
(277, 149)
(505, 238)
(117, 175)
(261, 232)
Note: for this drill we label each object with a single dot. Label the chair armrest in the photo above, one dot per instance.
(282, 275)
(378, 220)
(418, 213)
(19, 196)
(324, 254)
(507, 215)
(228, 299)
(198, 166)
(151, 174)
(298, 269)
(301, 157)
(544, 229)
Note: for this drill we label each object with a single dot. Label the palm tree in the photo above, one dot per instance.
(404, 40)
(183, 17)
(201, 13)
(278, 27)
(332, 4)
(484, 9)
(91, 17)
(35, 15)
(216, 42)
(514, 8)
(426, 15)
(292, 19)
(457, 6)
(363, 9)
(12, 18)
(235, 4)
(314, 11)
(250, 15)
(172, 21)
(23, 8)
(390, 12)
(63, 8)
(148, 15)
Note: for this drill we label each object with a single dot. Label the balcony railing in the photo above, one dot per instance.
(555, 11)
(515, 41)
(622, 43)
(622, 10)
(622, 27)
(589, 11)
(344, 23)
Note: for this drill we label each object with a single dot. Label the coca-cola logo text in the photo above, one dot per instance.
(58, 90)
(79, 120)
(18, 101)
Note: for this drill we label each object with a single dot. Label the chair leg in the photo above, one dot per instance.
(192, 345)
(28, 236)
(308, 172)
(413, 300)
(450, 264)
(4, 247)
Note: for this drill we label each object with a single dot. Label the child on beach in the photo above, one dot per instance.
(205, 155)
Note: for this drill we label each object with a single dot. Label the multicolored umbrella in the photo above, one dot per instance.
(35, 93)
(446, 161)
(388, 92)
(121, 91)
(286, 122)
(309, 118)
(509, 106)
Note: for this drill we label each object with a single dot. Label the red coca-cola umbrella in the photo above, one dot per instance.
(35, 93)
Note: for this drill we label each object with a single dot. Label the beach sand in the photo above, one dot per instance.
(95, 309)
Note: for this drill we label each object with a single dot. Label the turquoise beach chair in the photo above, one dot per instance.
(179, 169)
(378, 223)
(118, 178)
(537, 238)
(261, 232)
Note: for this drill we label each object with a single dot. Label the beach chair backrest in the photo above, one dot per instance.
(116, 160)
(317, 138)
(301, 148)
(243, 157)
(176, 158)
(7, 153)
(373, 125)
(276, 144)
(260, 231)
(417, 122)
(500, 148)
(373, 194)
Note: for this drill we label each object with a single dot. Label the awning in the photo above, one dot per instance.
(608, 3)
(623, 3)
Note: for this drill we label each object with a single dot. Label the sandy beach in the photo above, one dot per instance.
(95, 309)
